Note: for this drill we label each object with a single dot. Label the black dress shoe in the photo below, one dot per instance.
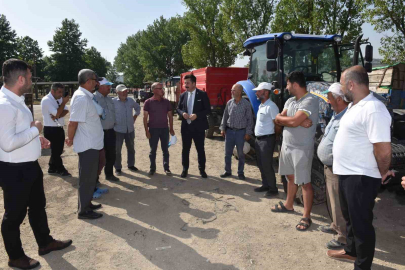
(64, 173)
(90, 215)
(168, 172)
(24, 262)
(203, 174)
(225, 174)
(95, 206)
(51, 171)
(241, 176)
(133, 169)
(184, 174)
(271, 193)
(118, 172)
(151, 172)
(261, 189)
(54, 245)
(112, 178)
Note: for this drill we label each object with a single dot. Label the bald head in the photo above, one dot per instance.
(236, 91)
(355, 83)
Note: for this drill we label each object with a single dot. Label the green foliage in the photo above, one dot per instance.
(112, 74)
(159, 49)
(69, 49)
(206, 25)
(29, 51)
(127, 61)
(96, 62)
(247, 18)
(343, 17)
(7, 40)
(389, 15)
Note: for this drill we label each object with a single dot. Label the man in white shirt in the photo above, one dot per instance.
(54, 110)
(361, 158)
(85, 133)
(266, 138)
(21, 176)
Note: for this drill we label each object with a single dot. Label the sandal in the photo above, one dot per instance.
(281, 209)
(306, 225)
(102, 190)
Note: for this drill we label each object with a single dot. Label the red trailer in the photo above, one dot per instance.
(217, 82)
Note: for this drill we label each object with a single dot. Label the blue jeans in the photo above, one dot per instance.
(232, 138)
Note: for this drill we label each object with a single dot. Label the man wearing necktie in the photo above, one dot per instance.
(194, 106)
(54, 109)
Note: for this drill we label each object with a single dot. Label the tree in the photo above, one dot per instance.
(127, 61)
(29, 51)
(206, 25)
(7, 40)
(112, 74)
(247, 18)
(389, 15)
(68, 48)
(343, 17)
(96, 62)
(160, 49)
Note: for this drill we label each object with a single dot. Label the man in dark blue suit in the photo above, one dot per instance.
(194, 106)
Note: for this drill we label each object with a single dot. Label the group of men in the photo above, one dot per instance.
(99, 125)
(353, 177)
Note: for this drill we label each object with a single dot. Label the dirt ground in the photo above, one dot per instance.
(164, 222)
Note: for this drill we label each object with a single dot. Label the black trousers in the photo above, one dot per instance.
(109, 148)
(264, 152)
(23, 188)
(56, 135)
(157, 134)
(187, 137)
(357, 194)
(88, 172)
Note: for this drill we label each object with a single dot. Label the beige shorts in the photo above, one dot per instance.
(297, 162)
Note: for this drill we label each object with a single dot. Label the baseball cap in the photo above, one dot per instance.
(104, 81)
(121, 88)
(334, 88)
(264, 86)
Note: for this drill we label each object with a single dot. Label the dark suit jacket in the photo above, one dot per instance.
(201, 108)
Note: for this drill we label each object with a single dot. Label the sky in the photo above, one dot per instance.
(105, 24)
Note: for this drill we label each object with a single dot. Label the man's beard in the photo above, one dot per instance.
(25, 89)
(349, 96)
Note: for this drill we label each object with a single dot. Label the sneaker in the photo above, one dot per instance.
(334, 244)
(168, 172)
(340, 255)
(102, 190)
(118, 172)
(133, 169)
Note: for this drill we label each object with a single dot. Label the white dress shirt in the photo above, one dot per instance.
(50, 106)
(19, 142)
(89, 133)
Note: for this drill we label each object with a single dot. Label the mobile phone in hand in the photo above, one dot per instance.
(66, 94)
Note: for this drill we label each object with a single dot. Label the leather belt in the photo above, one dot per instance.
(264, 136)
(235, 129)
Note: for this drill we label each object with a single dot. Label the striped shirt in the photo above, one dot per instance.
(124, 114)
(107, 104)
(238, 116)
(89, 133)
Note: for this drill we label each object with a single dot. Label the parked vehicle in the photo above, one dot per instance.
(172, 92)
(217, 82)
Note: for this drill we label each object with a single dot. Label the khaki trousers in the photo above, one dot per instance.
(332, 191)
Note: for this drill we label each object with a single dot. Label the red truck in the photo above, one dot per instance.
(217, 83)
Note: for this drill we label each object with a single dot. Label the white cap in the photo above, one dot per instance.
(336, 88)
(264, 86)
(121, 88)
(104, 81)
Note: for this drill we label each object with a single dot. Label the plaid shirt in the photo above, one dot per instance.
(238, 116)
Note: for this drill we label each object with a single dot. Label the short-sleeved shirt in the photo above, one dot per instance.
(124, 116)
(89, 133)
(50, 106)
(266, 114)
(157, 110)
(107, 104)
(300, 137)
(325, 148)
(363, 124)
